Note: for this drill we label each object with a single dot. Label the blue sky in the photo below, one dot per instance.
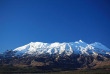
(25, 21)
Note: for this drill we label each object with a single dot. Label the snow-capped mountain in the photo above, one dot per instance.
(78, 47)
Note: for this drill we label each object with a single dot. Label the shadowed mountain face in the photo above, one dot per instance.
(47, 61)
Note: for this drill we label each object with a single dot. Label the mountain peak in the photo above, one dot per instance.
(81, 41)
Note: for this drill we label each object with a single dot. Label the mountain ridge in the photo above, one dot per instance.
(77, 47)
